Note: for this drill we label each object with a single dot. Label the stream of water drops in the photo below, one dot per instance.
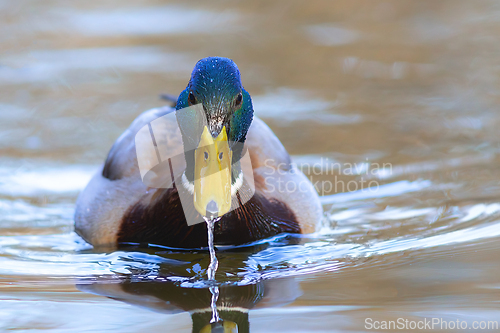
(212, 268)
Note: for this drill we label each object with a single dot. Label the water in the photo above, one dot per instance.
(390, 107)
(212, 269)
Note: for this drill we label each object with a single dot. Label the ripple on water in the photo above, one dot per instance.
(174, 20)
(355, 229)
(64, 64)
(33, 180)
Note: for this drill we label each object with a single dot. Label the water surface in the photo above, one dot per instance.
(399, 95)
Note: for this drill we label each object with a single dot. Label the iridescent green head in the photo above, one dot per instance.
(216, 84)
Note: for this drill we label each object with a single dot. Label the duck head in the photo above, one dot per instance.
(218, 132)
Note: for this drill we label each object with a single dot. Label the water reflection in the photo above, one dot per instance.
(233, 305)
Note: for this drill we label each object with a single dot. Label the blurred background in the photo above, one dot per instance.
(414, 84)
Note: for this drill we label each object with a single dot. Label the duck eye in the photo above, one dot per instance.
(191, 98)
(239, 99)
(205, 154)
(220, 155)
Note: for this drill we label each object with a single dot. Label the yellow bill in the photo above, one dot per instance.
(212, 174)
(228, 326)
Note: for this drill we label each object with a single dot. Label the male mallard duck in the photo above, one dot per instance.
(118, 206)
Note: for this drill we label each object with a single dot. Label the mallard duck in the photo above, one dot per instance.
(119, 206)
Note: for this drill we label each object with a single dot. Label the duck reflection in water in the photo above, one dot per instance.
(233, 304)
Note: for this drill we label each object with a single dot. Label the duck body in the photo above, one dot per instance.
(118, 207)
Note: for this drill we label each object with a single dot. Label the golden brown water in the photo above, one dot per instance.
(405, 91)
